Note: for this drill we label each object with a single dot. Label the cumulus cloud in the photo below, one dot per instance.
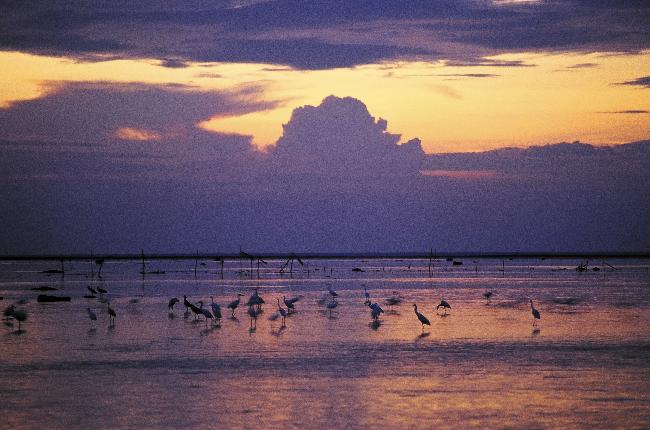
(340, 138)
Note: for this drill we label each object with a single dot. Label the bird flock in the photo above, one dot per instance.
(211, 313)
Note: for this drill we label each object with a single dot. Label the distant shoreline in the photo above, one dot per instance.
(327, 256)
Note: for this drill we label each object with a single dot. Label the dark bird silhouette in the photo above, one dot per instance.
(423, 320)
(19, 315)
(443, 304)
(488, 295)
(111, 314)
(216, 309)
(253, 314)
(255, 300)
(195, 310)
(206, 313)
(234, 304)
(171, 303)
(186, 303)
(290, 303)
(281, 311)
(91, 314)
(375, 310)
(332, 305)
(535, 312)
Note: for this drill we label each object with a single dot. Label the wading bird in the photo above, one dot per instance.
(375, 310)
(216, 309)
(423, 320)
(19, 315)
(206, 313)
(171, 303)
(367, 294)
(233, 305)
(253, 313)
(331, 305)
(111, 314)
(91, 314)
(443, 304)
(488, 295)
(186, 303)
(256, 300)
(282, 311)
(535, 313)
(290, 304)
(195, 310)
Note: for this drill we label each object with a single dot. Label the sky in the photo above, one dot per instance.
(325, 126)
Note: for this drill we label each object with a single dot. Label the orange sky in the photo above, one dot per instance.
(551, 102)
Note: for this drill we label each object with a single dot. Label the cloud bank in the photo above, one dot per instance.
(336, 181)
(323, 34)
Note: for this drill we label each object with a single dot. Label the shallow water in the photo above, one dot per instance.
(483, 365)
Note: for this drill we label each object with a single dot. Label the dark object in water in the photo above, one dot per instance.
(457, 263)
(566, 300)
(44, 288)
(90, 296)
(44, 298)
(596, 269)
(52, 271)
(357, 269)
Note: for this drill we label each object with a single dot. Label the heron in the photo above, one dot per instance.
(92, 290)
(443, 304)
(331, 305)
(91, 314)
(111, 314)
(216, 309)
(367, 294)
(423, 320)
(206, 313)
(488, 295)
(376, 310)
(282, 311)
(233, 305)
(171, 303)
(535, 312)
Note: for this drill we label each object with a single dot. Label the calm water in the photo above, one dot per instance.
(585, 365)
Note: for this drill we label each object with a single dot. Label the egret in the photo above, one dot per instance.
(331, 305)
(367, 294)
(375, 310)
(171, 303)
(535, 313)
(91, 289)
(423, 320)
(111, 314)
(91, 314)
(216, 309)
(233, 305)
(206, 313)
(332, 292)
(488, 295)
(443, 304)
(282, 311)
